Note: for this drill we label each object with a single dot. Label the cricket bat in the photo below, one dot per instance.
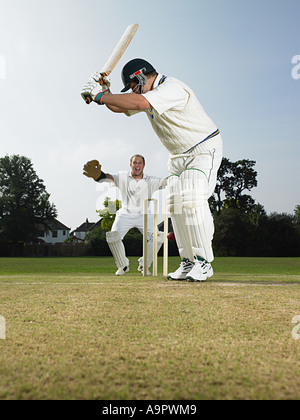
(117, 53)
(120, 49)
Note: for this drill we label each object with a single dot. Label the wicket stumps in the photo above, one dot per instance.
(145, 238)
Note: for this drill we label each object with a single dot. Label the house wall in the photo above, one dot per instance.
(81, 235)
(55, 237)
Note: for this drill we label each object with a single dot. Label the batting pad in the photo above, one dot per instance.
(198, 218)
(174, 203)
(117, 249)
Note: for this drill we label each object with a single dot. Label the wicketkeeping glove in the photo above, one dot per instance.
(92, 169)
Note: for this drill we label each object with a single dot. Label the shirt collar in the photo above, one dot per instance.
(130, 175)
(157, 80)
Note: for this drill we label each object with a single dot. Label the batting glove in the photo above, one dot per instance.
(92, 91)
(102, 79)
(98, 97)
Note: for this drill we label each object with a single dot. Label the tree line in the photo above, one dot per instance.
(242, 226)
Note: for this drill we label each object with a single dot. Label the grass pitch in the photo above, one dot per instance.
(76, 331)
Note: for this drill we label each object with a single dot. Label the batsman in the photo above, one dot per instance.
(195, 154)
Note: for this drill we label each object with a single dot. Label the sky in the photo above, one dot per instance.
(242, 59)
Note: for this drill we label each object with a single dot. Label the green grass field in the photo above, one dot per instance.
(76, 331)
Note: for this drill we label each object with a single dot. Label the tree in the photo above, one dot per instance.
(96, 239)
(233, 179)
(108, 214)
(231, 231)
(24, 201)
(242, 177)
(283, 235)
(297, 216)
(96, 242)
(216, 200)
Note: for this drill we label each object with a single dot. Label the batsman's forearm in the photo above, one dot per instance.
(116, 109)
(125, 102)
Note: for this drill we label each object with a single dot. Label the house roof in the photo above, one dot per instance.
(97, 224)
(55, 225)
(87, 226)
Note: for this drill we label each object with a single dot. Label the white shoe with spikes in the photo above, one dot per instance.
(122, 271)
(184, 269)
(201, 271)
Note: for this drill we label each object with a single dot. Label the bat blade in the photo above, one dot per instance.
(120, 48)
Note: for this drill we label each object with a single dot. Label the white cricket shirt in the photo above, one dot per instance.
(177, 116)
(133, 193)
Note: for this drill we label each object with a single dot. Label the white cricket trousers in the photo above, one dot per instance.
(121, 226)
(126, 221)
(192, 181)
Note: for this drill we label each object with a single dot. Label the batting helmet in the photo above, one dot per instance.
(134, 70)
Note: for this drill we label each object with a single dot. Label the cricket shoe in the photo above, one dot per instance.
(184, 269)
(140, 267)
(201, 271)
(122, 271)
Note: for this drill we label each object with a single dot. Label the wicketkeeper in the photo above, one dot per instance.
(135, 187)
(195, 147)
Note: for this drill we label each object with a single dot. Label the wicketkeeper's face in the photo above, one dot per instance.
(137, 166)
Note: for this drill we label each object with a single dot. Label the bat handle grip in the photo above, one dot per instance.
(101, 82)
(88, 99)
